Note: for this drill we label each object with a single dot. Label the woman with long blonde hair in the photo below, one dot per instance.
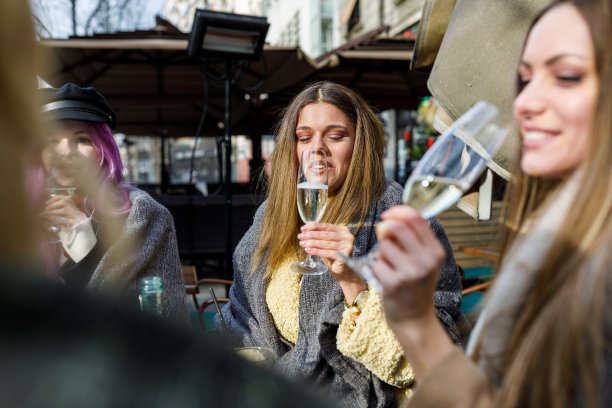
(330, 328)
(544, 337)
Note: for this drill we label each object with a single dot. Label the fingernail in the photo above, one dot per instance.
(300, 236)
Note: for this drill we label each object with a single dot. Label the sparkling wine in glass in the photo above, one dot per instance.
(53, 189)
(446, 171)
(311, 201)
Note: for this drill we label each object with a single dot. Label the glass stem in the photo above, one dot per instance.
(309, 262)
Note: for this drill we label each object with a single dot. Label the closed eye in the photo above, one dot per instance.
(570, 79)
(524, 76)
(303, 138)
(336, 136)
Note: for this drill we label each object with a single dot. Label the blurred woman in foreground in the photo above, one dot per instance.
(62, 347)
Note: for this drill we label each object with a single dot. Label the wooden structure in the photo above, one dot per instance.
(464, 231)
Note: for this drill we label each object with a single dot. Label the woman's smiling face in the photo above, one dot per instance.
(323, 126)
(558, 93)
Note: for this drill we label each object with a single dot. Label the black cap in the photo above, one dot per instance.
(71, 102)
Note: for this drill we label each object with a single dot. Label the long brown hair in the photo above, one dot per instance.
(556, 353)
(364, 183)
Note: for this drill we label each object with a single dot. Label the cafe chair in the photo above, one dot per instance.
(473, 296)
(481, 287)
(192, 287)
(191, 282)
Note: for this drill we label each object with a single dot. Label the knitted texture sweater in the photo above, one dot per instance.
(315, 355)
(364, 336)
(143, 245)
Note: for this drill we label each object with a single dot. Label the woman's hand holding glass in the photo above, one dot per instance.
(324, 241)
(327, 241)
(311, 201)
(62, 209)
(410, 257)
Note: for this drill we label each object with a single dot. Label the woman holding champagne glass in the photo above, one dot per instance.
(327, 326)
(544, 336)
(111, 234)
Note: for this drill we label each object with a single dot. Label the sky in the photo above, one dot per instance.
(55, 17)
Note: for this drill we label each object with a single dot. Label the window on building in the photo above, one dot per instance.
(355, 17)
(327, 15)
(294, 29)
(326, 35)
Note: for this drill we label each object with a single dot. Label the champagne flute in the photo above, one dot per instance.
(311, 201)
(52, 189)
(446, 171)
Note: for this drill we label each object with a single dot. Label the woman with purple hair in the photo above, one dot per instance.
(111, 234)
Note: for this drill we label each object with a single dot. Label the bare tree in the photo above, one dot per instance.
(87, 16)
(74, 18)
(44, 16)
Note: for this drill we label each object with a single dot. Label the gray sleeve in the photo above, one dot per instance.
(169, 268)
(448, 297)
(146, 247)
(238, 313)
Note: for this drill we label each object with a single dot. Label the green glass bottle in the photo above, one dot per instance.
(151, 295)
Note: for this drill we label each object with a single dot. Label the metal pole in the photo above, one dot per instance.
(165, 177)
(228, 173)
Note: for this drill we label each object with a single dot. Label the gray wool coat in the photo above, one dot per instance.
(144, 245)
(315, 356)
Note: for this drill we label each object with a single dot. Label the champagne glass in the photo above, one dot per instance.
(446, 171)
(311, 201)
(53, 189)
(261, 356)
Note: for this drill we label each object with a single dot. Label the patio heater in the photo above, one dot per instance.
(234, 39)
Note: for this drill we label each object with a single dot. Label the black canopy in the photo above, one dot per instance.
(152, 83)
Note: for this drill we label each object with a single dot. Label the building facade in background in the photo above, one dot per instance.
(316, 26)
(310, 24)
(358, 17)
(181, 12)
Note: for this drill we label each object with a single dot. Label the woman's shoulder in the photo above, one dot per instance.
(261, 209)
(392, 193)
(259, 212)
(138, 196)
(142, 202)
(394, 187)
